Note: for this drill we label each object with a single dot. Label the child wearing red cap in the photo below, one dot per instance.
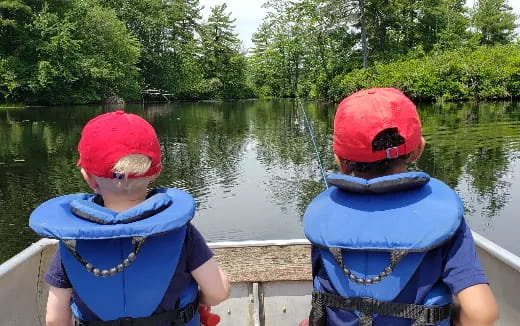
(390, 247)
(126, 256)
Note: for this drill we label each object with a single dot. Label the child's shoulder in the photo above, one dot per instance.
(193, 237)
(197, 251)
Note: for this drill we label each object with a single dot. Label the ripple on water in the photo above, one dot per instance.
(230, 234)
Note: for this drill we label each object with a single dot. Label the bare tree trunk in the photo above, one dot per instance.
(364, 47)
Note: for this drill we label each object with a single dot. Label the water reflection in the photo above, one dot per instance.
(251, 165)
(475, 149)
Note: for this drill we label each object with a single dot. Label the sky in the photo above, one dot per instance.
(249, 15)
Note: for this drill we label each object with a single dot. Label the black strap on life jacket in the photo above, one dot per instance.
(174, 318)
(422, 315)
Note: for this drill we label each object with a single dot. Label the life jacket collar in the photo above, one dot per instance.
(381, 185)
(88, 209)
(78, 217)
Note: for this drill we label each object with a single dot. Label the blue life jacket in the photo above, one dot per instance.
(372, 236)
(121, 264)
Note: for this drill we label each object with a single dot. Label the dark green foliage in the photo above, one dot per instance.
(494, 21)
(166, 31)
(83, 51)
(76, 53)
(314, 48)
(14, 15)
(85, 56)
(223, 64)
(480, 73)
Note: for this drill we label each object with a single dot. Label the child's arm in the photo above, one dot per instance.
(58, 307)
(477, 306)
(464, 275)
(213, 283)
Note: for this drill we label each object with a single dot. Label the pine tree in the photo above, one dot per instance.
(494, 21)
(223, 63)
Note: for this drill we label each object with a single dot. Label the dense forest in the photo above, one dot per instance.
(85, 51)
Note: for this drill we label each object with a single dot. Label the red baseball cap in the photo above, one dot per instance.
(110, 136)
(364, 114)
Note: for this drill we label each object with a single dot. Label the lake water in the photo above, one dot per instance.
(251, 165)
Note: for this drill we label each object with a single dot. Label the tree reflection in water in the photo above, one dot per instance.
(251, 165)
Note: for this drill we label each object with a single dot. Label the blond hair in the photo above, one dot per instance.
(136, 164)
(133, 164)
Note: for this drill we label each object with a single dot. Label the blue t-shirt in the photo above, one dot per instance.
(455, 263)
(195, 252)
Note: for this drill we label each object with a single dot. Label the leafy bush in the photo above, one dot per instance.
(462, 74)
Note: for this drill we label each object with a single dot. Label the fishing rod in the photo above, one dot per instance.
(313, 139)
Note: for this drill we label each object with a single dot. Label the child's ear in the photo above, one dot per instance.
(342, 164)
(416, 154)
(89, 179)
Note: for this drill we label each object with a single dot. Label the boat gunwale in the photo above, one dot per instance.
(24, 255)
(497, 251)
(258, 243)
(481, 242)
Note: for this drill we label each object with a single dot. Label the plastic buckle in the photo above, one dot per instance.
(431, 315)
(78, 322)
(435, 314)
(187, 313)
(392, 152)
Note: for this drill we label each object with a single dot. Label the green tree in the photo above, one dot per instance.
(453, 30)
(65, 52)
(266, 63)
(396, 28)
(314, 43)
(494, 21)
(279, 54)
(84, 55)
(14, 16)
(222, 60)
(301, 46)
(183, 18)
(166, 31)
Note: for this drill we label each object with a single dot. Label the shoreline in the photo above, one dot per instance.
(469, 100)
